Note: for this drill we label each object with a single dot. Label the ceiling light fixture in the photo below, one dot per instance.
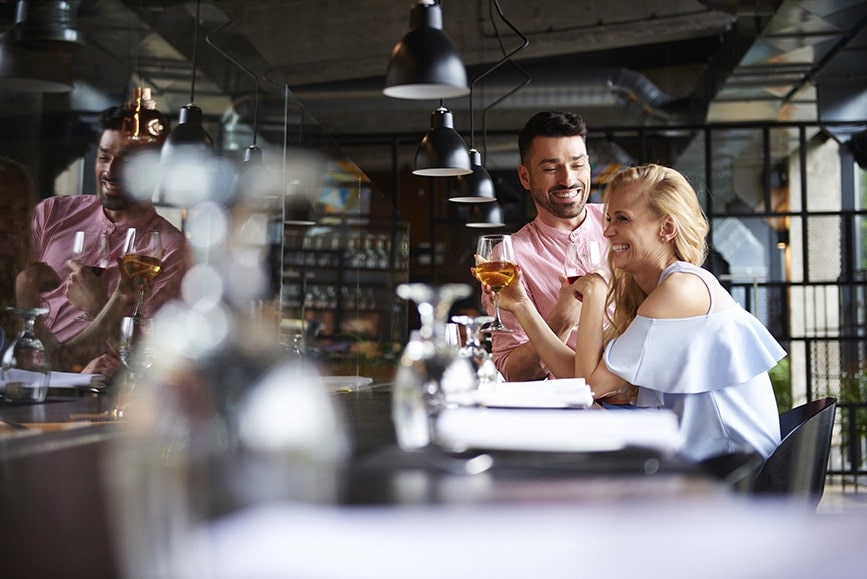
(442, 152)
(189, 135)
(425, 63)
(485, 216)
(35, 54)
(253, 179)
(478, 187)
(298, 210)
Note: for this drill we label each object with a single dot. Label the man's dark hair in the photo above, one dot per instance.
(550, 124)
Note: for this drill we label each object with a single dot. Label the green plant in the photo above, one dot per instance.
(781, 380)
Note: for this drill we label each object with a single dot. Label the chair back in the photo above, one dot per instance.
(797, 467)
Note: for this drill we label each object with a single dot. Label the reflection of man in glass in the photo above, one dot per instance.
(112, 211)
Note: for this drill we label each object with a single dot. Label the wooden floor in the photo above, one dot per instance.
(843, 496)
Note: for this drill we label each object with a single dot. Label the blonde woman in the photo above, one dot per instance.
(677, 337)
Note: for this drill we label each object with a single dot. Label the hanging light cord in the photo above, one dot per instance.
(507, 57)
(234, 61)
(195, 51)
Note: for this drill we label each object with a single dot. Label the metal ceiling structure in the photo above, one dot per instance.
(654, 63)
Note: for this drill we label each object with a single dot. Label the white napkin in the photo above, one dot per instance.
(559, 393)
(559, 430)
(74, 379)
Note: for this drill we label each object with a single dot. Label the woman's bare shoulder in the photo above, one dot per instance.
(680, 295)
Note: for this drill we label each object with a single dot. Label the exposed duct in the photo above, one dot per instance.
(551, 87)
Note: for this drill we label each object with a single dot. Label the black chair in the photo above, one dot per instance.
(797, 467)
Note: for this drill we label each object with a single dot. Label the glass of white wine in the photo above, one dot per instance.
(142, 261)
(495, 267)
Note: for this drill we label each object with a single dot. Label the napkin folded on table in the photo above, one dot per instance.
(559, 430)
(558, 393)
(71, 380)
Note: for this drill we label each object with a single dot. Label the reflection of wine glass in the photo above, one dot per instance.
(495, 266)
(475, 351)
(136, 354)
(26, 369)
(79, 251)
(583, 257)
(142, 261)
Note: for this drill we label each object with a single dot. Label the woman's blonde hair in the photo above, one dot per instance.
(15, 175)
(668, 194)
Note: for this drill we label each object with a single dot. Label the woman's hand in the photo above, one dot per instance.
(590, 285)
(31, 281)
(84, 289)
(513, 296)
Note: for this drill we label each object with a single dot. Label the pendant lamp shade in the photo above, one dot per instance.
(485, 216)
(188, 136)
(39, 70)
(477, 187)
(442, 152)
(425, 63)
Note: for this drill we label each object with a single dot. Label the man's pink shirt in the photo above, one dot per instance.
(541, 252)
(55, 222)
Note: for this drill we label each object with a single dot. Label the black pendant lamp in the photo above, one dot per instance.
(442, 152)
(425, 63)
(477, 187)
(485, 216)
(189, 137)
(36, 53)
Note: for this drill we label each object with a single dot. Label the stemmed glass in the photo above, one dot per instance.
(136, 353)
(78, 252)
(474, 351)
(495, 267)
(418, 385)
(26, 369)
(142, 261)
(584, 257)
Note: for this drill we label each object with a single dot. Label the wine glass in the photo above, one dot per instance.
(475, 351)
(78, 253)
(495, 267)
(142, 261)
(418, 393)
(583, 257)
(136, 353)
(26, 369)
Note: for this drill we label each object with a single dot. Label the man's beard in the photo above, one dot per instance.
(561, 210)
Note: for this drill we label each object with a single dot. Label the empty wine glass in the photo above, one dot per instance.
(136, 353)
(418, 385)
(475, 351)
(26, 369)
(495, 267)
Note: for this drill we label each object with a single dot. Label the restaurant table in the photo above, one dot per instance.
(55, 519)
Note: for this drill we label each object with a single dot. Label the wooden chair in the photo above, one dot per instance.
(797, 467)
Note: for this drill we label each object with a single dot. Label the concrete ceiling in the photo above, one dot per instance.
(650, 63)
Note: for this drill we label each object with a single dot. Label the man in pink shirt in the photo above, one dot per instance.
(555, 169)
(76, 290)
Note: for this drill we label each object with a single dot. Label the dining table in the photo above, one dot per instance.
(431, 512)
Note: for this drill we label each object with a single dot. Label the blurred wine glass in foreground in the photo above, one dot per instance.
(26, 369)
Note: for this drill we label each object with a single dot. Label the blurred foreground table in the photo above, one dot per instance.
(55, 518)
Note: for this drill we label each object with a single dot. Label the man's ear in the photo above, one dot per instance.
(524, 176)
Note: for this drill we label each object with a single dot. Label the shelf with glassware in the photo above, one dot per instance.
(338, 283)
